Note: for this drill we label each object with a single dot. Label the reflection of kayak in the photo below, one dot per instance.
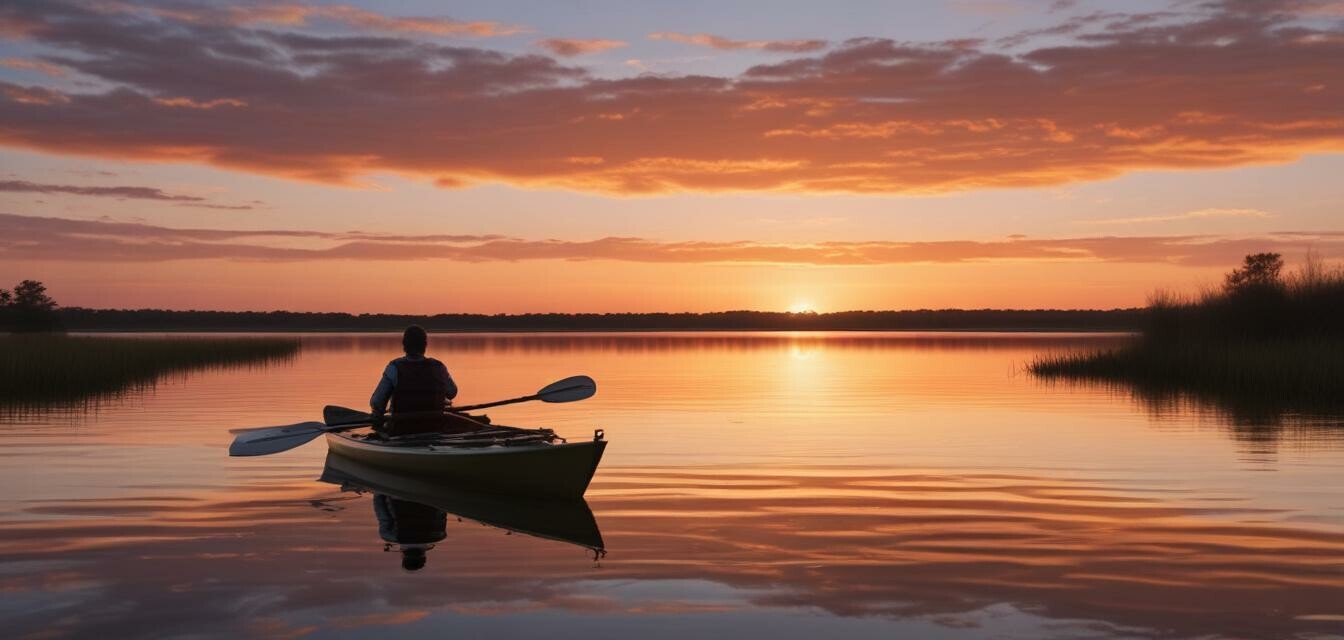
(563, 520)
(502, 460)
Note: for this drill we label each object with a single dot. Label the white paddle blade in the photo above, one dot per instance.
(261, 442)
(568, 390)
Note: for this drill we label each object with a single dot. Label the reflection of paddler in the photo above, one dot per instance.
(411, 526)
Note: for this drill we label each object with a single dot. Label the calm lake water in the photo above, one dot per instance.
(756, 485)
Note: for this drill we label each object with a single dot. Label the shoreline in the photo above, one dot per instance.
(958, 320)
(254, 330)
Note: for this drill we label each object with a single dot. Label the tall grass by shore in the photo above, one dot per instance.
(1278, 341)
(1297, 370)
(38, 369)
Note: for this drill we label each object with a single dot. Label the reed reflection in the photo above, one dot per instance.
(1259, 423)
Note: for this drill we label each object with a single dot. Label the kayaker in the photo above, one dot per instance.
(414, 383)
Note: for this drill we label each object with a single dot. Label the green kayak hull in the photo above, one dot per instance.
(555, 470)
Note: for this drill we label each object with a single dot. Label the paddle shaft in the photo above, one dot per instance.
(554, 392)
(470, 407)
(544, 394)
(497, 403)
(407, 415)
(286, 438)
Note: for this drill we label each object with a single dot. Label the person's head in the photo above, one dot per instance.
(413, 558)
(414, 340)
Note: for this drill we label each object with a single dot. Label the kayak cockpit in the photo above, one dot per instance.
(493, 435)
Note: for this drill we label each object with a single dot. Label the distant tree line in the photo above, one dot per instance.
(28, 308)
(81, 319)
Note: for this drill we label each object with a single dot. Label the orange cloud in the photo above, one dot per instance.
(40, 238)
(52, 70)
(1327, 8)
(727, 44)
(301, 14)
(568, 47)
(1236, 86)
(1199, 214)
(192, 104)
(439, 26)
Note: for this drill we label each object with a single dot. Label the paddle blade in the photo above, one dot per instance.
(568, 390)
(332, 415)
(260, 442)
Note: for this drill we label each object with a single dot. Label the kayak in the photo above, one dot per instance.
(569, 521)
(493, 459)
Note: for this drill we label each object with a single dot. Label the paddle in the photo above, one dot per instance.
(267, 440)
(343, 417)
(570, 389)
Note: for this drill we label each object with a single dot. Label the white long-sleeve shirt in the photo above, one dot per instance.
(382, 394)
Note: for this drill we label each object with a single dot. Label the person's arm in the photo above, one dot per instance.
(383, 393)
(450, 387)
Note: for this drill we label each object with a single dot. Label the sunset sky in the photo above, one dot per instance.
(419, 156)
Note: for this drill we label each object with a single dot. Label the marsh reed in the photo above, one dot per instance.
(1281, 339)
(41, 368)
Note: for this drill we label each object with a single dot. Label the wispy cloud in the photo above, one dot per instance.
(1238, 85)
(569, 47)
(1200, 214)
(223, 207)
(121, 193)
(39, 66)
(296, 14)
(30, 237)
(133, 193)
(990, 8)
(728, 44)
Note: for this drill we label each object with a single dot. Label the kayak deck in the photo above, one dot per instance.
(495, 459)
(489, 436)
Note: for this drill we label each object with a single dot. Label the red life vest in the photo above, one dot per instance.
(419, 388)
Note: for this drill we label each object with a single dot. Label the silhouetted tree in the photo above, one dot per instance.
(1259, 271)
(28, 308)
